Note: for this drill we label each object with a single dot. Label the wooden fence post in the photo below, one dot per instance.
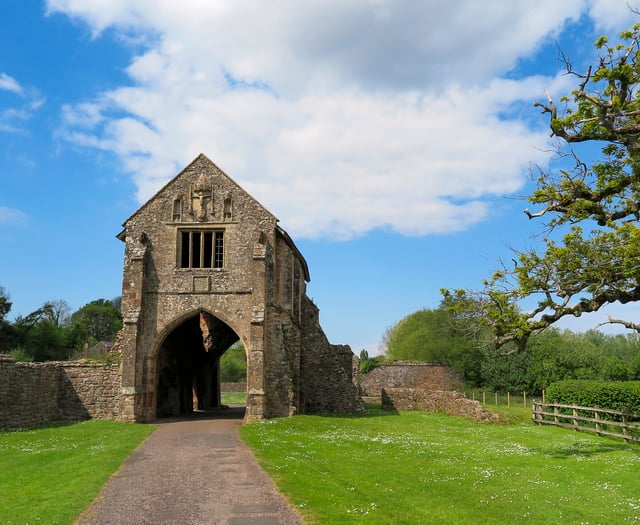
(600, 424)
(624, 428)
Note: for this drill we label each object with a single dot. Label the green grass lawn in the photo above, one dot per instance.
(49, 475)
(233, 398)
(422, 468)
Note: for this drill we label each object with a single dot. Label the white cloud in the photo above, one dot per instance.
(600, 319)
(613, 15)
(309, 46)
(11, 215)
(10, 84)
(13, 117)
(340, 116)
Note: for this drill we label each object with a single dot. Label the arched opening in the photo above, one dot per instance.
(188, 365)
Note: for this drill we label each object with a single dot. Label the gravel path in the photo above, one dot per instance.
(191, 471)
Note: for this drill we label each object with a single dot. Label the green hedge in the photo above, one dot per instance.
(615, 396)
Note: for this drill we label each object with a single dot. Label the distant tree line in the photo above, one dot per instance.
(53, 332)
(442, 336)
(233, 364)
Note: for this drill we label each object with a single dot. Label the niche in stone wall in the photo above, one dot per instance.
(176, 215)
(228, 207)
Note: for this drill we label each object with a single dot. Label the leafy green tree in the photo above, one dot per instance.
(634, 368)
(96, 321)
(591, 248)
(469, 328)
(7, 334)
(369, 363)
(21, 355)
(435, 336)
(508, 373)
(556, 355)
(41, 335)
(233, 364)
(616, 370)
(57, 312)
(421, 336)
(5, 303)
(46, 341)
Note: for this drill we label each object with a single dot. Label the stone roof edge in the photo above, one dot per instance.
(206, 159)
(289, 241)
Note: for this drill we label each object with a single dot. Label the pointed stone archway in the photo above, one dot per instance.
(203, 245)
(188, 364)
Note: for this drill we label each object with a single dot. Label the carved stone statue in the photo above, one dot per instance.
(202, 197)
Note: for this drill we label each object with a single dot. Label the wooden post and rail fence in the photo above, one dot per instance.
(600, 421)
(603, 422)
(506, 399)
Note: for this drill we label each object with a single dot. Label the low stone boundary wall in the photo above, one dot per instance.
(449, 402)
(409, 374)
(96, 387)
(233, 387)
(38, 393)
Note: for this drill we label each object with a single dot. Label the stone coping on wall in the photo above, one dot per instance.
(448, 402)
(37, 393)
(410, 374)
(7, 358)
(233, 387)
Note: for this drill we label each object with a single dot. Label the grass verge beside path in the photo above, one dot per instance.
(422, 468)
(49, 475)
(233, 398)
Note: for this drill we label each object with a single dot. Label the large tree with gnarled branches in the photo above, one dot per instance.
(590, 254)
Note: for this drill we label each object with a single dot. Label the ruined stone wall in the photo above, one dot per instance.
(90, 390)
(448, 402)
(281, 363)
(326, 370)
(37, 393)
(406, 374)
(233, 387)
(28, 393)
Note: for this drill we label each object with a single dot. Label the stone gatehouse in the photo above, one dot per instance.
(205, 266)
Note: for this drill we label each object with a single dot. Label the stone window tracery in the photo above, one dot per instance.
(200, 248)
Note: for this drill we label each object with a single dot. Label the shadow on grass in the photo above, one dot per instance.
(370, 410)
(235, 412)
(43, 426)
(588, 449)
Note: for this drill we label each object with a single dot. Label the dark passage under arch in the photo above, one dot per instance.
(188, 365)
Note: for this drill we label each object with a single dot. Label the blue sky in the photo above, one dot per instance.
(390, 138)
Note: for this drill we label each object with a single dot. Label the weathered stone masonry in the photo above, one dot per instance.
(447, 402)
(207, 265)
(407, 385)
(409, 374)
(37, 393)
